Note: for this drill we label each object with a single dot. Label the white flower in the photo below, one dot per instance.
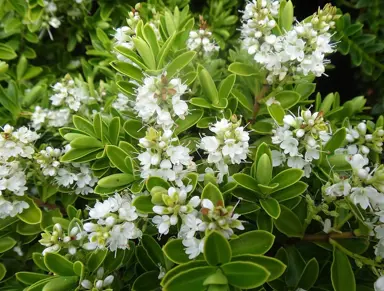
(163, 223)
(193, 247)
(290, 146)
(209, 143)
(366, 197)
(379, 284)
(278, 158)
(339, 189)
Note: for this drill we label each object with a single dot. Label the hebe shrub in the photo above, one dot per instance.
(148, 147)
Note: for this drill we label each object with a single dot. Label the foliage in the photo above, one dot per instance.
(145, 146)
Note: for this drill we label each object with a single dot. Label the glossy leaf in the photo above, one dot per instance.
(217, 250)
(256, 242)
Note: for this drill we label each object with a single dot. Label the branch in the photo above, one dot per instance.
(326, 237)
(256, 105)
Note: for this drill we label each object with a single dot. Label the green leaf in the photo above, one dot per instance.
(77, 154)
(246, 181)
(181, 268)
(134, 128)
(271, 206)
(174, 250)
(78, 268)
(96, 259)
(189, 280)
(189, 121)
(114, 130)
(256, 242)
(212, 193)
(305, 89)
(85, 142)
(262, 127)
(59, 265)
(145, 260)
(163, 53)
(296, 265)
(31, 215)
(3, 271)
(200, 102)
(245, 275)
(208, 86)
(30, 278)
(150, 37)
(38, 260)
(275, 267)
(6, 52)
(83, 125)
(147, 281)
(62, 284)
(288, 223)
(226, 86)
(217, 250)
(128, 70)
(290, 192)
(153, 249)
(179, 63)
(116, 180)
(6, 243)
(286, 17)
(117, 156)
(145, 52)
(336, 140)
(242, 69)
(264, 170)
(277, 112)
(309, 275)
(143, 203)
(287, 178)
(342, 274)
(156, 181)
(353, 29)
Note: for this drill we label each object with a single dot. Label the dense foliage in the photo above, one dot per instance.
(156, 146)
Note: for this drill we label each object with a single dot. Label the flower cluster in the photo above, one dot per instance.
(99, 283)
(301, 139)
(201, 41)
(210, 217)
(113, 224)
(299, 51)
(158, 100)
(50, 118)
(228, 146)
(164, 157)
(171, 204)
(74, 177)
(16, 148)
(121, 103)
(17, 143)
(60, 239)
(70, 93)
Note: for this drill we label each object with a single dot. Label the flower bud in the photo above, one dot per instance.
(300, 133)
(362, 128)
(100, 273)
(108, 281)
(99, 284)
(365, 150)
(86, 284)
(363, 174)
(368, 137)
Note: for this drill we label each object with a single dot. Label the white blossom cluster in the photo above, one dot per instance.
(300, 139)
(164, 157)
(50, 118)
(210, 217)
(228, 146)
(99, 283)
(17, 143)
(70, 93)
(121, 103)
(60, 239)
(112, 224)
(16, 148)
(159, 102)
(299, 51)
(75, 177)
(172, 204)
(364, 187)
(202, 42)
